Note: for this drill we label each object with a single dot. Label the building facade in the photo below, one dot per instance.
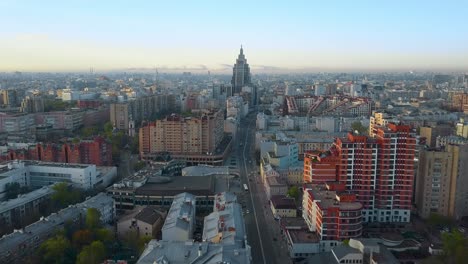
(200, 134)
(379, 170)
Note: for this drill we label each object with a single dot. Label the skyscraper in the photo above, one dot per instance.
(241, 73)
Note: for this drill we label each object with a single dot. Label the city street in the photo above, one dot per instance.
(263, 231)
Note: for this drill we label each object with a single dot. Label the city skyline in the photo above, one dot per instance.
(278, 37)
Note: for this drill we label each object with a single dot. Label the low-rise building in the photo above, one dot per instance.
(181, 252)
(36, 174)
(180, 220)
(146, 221)
(282, 206)
(26, 241)
(275, 186)
(25, 205)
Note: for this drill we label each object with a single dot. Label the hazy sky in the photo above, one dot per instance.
(323, 35)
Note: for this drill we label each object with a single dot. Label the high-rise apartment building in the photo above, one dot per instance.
(143, 108)
(10, 97)
(199, 134)
(379, 171)
(32, 104)
(441, 182)
(241, 73)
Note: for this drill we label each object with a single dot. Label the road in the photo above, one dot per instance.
(262, 231)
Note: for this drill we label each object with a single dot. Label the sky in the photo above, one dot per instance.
(75, 35)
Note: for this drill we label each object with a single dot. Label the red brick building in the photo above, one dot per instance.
(97, 151)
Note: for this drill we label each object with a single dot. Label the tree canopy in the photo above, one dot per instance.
(65, 195)
(357, 126)
(92, 254)
(93, 218)
(12, 189)
(293, 192)
(54, 249)
(455, 246)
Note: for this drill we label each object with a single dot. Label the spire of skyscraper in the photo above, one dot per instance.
(241, 73)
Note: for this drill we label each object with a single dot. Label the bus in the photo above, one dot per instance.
(246, 188)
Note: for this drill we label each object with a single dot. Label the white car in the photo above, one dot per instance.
(247, 211)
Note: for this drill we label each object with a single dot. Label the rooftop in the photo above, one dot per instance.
(328, 199)
(149, 215)
(181, 252)
(226, 226)
(303, 236)
(283, 202)
(182, 213)
(25, 198)
(203, 185)
(204, 170)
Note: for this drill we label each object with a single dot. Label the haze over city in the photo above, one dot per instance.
(304, 36)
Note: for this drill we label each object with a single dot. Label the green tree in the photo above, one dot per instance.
(108, 128)
(135, 242)
(64, 195)
(455, 246)
(104, 235)
(54, 250)
(12, 189)
(357, 126)
(293, 192)
(92, 254)
(82, 237)
(93, 218)
(139, 165)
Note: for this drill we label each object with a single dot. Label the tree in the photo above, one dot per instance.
(357, 126)
(139, 165)
(12, 189)
(64, 195)
(104, 235)
(293, 192)
(437, 220)
(135, 242)
(455, 247)
(92, 254)
(93, 218)
(82, 238)
(54, 249)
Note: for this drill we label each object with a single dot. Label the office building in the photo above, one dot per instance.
(37, 174)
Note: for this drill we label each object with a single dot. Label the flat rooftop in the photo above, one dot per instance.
(203, 185)
(303, 236)
(328, 199)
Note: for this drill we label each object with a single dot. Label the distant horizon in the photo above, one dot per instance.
(303, 36)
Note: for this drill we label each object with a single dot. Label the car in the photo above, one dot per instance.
(247, 211)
